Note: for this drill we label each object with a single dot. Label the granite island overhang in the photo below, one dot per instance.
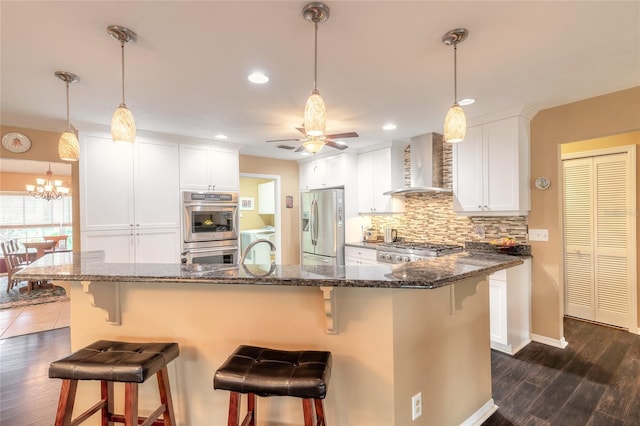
(394, 330)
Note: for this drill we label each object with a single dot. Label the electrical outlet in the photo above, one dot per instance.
(416, 406)
(538, 235)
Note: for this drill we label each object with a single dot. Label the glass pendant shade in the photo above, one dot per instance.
(313, 145)
(68, 146)
(315, 115)
(123, 126)
(455, 124)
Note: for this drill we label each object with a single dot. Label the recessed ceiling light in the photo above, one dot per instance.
(258, 78)
(221, 136)
(466, 101)
(389, 126)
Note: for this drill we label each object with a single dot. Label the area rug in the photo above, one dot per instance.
(16, 298)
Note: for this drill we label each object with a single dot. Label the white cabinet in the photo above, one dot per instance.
(128, 191)
(380, 171)
(326, 172)
(267, 198)
(135, 245)
(359, 256)
(206, 168)
(491, 169)
(510, 308)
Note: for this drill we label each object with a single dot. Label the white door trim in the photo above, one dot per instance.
(278, 214)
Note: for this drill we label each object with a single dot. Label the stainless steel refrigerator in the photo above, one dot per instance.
(323, 227)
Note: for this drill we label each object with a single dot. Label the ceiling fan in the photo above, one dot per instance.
(328, 140)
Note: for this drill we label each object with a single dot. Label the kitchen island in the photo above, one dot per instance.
(394, 330)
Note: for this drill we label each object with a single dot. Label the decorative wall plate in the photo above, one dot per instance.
(542, 182)
(16, 142)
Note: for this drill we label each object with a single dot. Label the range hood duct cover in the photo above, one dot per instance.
(426, 165)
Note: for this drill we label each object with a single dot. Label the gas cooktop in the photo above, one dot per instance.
(399, 252)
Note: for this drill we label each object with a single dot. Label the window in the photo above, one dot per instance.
(26, 218)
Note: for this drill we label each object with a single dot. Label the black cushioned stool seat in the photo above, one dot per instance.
(113, 361)
(254, 370)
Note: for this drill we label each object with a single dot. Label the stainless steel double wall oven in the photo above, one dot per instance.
(210, 227)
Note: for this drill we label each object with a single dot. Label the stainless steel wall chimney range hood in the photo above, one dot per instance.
(426, 165)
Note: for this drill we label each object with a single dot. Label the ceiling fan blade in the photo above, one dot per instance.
(300, 149)
(335, 145)
(285, 140)
(343, 135)
(301, 130)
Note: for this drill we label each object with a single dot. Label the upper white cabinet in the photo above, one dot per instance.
(130, 199)
(267, 198)
(380, 171)
(207, 168)
(128, 185)
(491, 169)
(326, 172)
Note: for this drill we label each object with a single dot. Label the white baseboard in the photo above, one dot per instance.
(509, 349)
(483, 413)
(634, 330)
(549, 341)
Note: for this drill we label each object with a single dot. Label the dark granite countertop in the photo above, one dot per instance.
(519, 249)
(429, 273)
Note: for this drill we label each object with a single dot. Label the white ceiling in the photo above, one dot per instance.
(34, 167)
(379, 62)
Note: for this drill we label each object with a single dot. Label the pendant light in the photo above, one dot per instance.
(455, 123)
(123, 126)
(68, 146)
(314, 111)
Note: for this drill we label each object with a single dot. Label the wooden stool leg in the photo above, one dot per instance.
(66, 401)
(131, 404)
(106, 394)
(234, 409)
(319, 412)
(251, 409)
(307, 408)
(165, 397)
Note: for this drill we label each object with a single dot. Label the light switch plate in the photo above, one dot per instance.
(538, 235)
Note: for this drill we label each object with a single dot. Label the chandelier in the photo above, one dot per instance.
(47, 188)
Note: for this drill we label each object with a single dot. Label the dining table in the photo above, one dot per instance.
(40, 247)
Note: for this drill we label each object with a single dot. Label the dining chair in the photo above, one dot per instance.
(13, 261)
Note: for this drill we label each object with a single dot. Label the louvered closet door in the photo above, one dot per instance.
(611, 229)
(596, 220)
(578, 229)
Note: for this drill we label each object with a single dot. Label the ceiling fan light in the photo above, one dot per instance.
(123, 126)
(313, 145)
(455, 124)
(68, 146)
(315, 115)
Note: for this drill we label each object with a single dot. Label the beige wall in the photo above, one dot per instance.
(602, 116)
(44, 147)
(290, 220)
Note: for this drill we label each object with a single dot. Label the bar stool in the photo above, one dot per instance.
(112, 361)
(254, 370)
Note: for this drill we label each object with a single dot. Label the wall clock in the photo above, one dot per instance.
(16, 142)
(542, 182)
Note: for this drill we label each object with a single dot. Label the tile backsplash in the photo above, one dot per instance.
(430, 217)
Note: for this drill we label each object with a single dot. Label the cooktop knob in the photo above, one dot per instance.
(407, 259)
(388, 257)
(399, 258)
(381, 256)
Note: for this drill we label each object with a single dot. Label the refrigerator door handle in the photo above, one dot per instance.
(316, 259)
(314, 222)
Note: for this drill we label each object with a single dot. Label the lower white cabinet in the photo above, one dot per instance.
(354, 256)
(135, 245)
(510, 308)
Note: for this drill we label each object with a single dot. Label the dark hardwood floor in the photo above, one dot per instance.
(594, 381)
(27, 396)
